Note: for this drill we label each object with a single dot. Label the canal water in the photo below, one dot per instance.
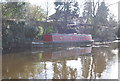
(97, 62)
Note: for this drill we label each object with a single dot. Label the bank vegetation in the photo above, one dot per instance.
(24, 22)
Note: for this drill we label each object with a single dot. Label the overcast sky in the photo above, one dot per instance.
(113, 8)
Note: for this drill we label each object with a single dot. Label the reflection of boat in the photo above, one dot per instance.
(50, 66)
(63, 40)
(66, 53)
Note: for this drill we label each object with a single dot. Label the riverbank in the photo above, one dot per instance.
(19, 49)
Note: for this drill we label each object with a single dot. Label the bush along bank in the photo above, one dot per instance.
(17, 34)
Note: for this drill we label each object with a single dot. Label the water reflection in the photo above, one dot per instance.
(73, 63)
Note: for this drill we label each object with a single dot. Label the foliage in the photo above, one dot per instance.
(87, 12)
(34, 12)
(112, 21)
(106, 34)
(69, 8)
(102, 14)
(66, 12)
(30, 32)
(96, 15)
(22, 10)
(40, 32)
(17, 34)
(118, 33)
(49, 30)
(12, 10)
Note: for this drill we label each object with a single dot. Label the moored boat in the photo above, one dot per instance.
(64, 40)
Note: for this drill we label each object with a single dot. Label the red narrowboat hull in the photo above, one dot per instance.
(67, 37)
(63, 40)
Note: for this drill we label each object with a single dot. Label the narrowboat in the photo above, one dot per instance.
(64, 40)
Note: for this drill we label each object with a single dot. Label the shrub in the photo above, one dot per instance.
(49, 29)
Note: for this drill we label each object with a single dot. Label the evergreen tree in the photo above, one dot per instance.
(70, 7)
(102, 14)
(87, 9)
(66, 11)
